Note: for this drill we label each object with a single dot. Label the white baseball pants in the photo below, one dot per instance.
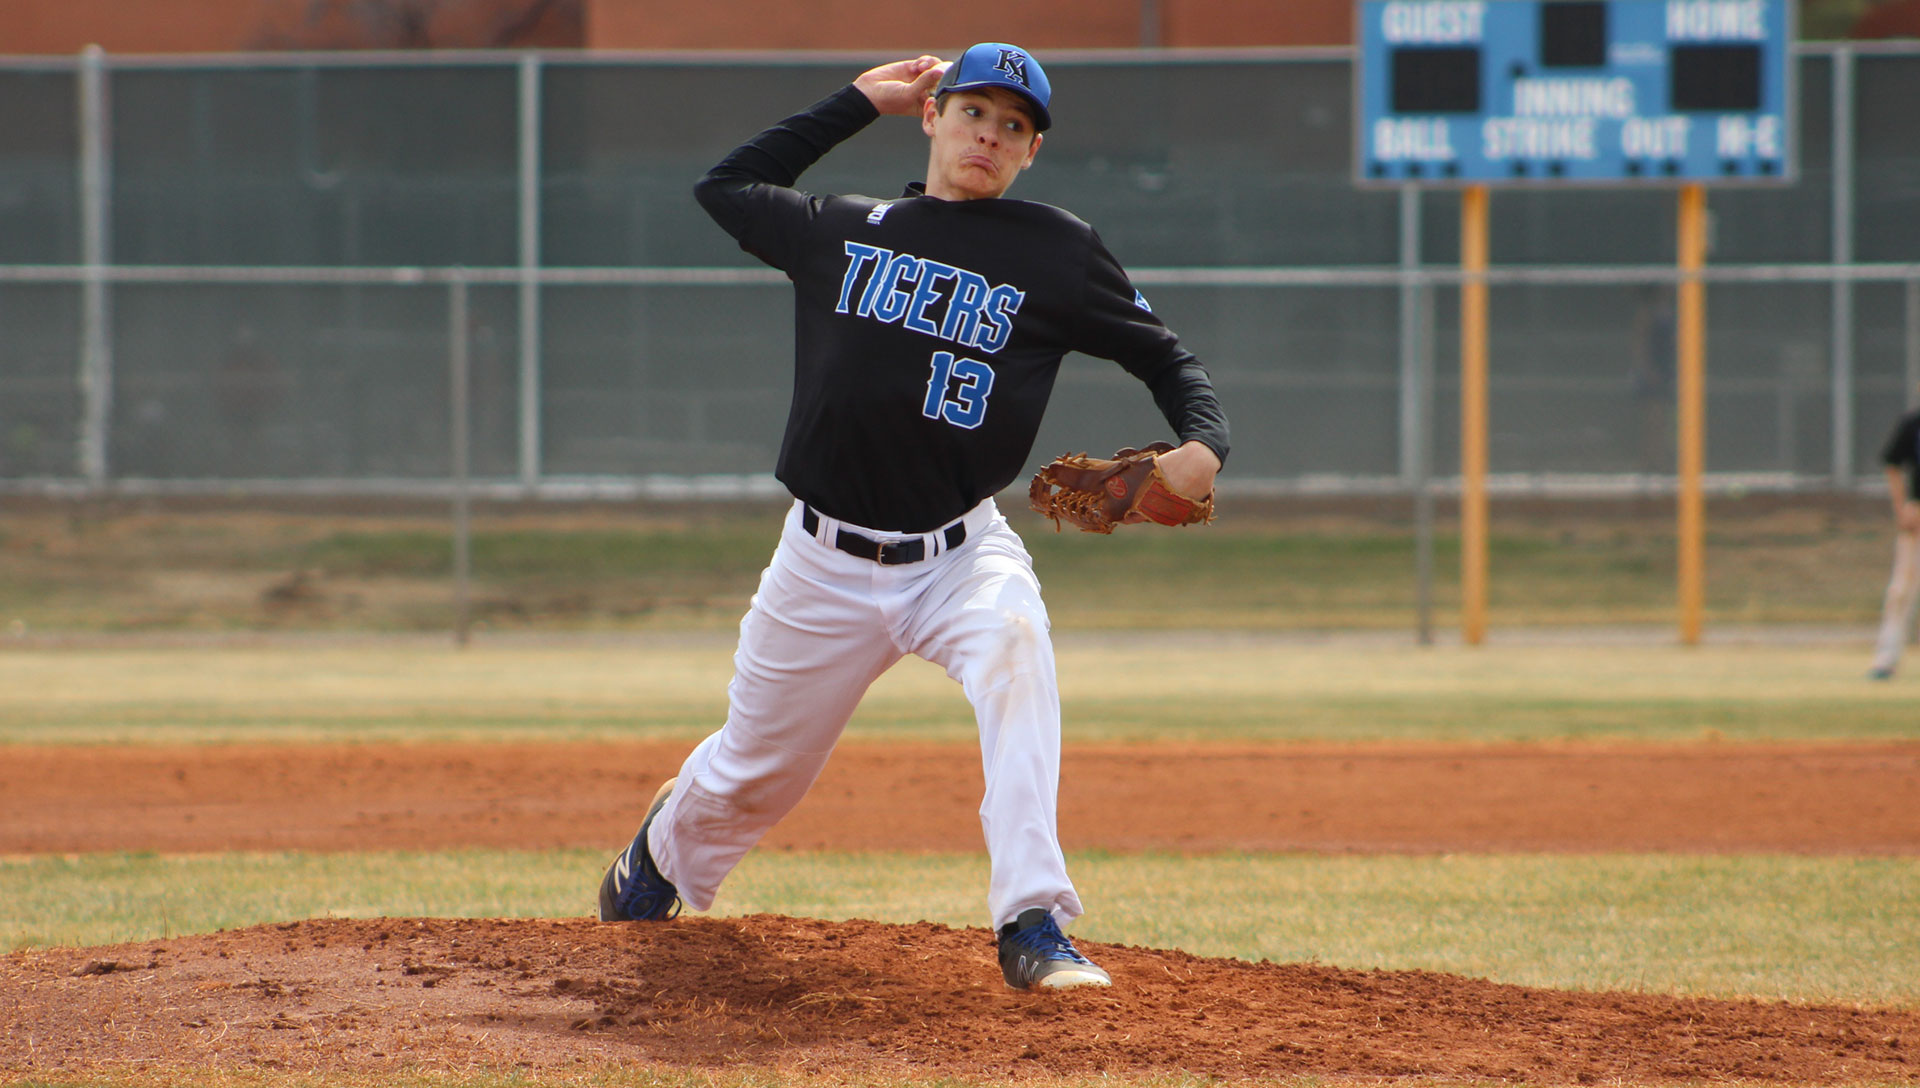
(822, 627)
(1903, 592)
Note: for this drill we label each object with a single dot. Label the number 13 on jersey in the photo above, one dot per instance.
(957, 390)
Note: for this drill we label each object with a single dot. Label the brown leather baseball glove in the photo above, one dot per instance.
(1099, 493)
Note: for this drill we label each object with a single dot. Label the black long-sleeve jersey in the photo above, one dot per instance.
(1902, 451)
(928, 332)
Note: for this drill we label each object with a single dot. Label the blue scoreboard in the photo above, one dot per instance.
(1590, 92)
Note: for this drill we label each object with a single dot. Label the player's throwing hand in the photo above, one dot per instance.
(901, 87)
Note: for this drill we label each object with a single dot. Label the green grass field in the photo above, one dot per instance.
(1273, 564)
(1115, 687)
(1809, 928)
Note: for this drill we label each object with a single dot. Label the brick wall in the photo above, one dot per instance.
(197, 26)
(1052, 24)
(216, 26)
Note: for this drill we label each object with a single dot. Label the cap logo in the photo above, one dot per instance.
(1014, 64)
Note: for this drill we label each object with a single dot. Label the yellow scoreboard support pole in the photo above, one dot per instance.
(1690, 413)
(1473, 415)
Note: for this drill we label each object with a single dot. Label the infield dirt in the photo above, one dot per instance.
(861, 999)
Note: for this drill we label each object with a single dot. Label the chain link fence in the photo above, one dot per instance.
(239, 272)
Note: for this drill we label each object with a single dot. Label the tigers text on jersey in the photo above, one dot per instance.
(928, 332)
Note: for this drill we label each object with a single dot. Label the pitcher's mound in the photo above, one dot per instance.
(863, 999)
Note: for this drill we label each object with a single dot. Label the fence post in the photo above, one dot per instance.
(1841, 334)
(96, 306)
(530, 467)
(1416, 407)
(1913, 341)
(457, 366)
(1423, 500)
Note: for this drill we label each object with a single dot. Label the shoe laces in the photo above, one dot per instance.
(648, 893)
(1046, 939)
(642, 901)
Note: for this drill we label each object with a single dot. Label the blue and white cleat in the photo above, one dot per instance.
(1035, 955)
(633, 889)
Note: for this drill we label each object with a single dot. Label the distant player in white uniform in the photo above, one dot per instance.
(1901, 456)
(928, 331)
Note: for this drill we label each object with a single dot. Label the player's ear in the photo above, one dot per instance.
(1034, 150)
(928, 111)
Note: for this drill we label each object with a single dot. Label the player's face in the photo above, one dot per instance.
(981, 140)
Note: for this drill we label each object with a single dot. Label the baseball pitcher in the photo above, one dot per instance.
(928, 330)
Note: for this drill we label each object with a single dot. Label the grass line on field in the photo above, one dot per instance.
(1112, 689)
(1833, 929)
(1264, 565)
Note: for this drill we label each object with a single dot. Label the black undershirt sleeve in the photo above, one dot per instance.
(759, 175)
(1116, 325)
(1186, 398)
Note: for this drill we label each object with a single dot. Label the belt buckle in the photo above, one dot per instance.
(896, 552)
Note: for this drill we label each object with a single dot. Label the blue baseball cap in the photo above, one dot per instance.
(997, 64)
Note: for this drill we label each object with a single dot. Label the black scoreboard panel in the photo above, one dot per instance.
(1573, 34)
(1714, 78)
(1442, 80)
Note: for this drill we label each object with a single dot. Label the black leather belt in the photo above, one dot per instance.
(885, 552)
